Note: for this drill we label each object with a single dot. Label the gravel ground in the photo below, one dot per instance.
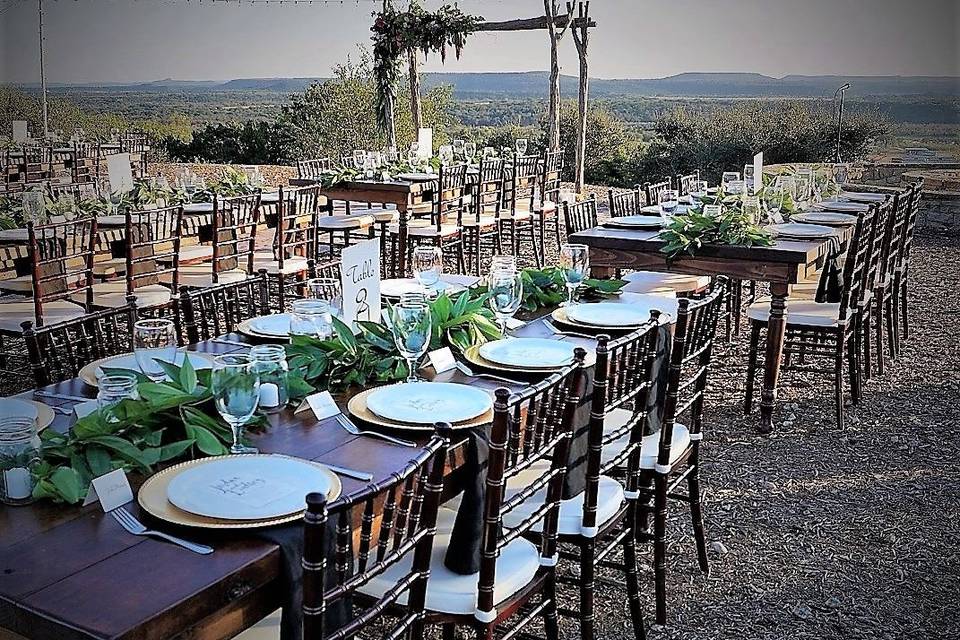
(817, 532)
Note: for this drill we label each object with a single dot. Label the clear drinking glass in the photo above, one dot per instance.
(521, 146)
(489, 152)
(458, 149)
(446, 154)
(427, 267)
(575, 262)
(751, 208)
(19, 454)
(840, 174)
(153, 340)
(470, 150)
(311, 317)
(235, 384)
(411, 325)
(271, 365)
(669, 200)
(773, 198)
(111, 390)
(323, 289)
(503, 263)
(359, 158)
(506, 295)
(727, 178)
(699, 189)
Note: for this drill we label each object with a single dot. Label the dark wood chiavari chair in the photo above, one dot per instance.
(84, 160)
(295, 241)
(628, 203)
(483, 227)
(545, 206)
(313, 169)
(137, 145)
(517, 216)
(214, 311)
(872, 277)
(234, 236)
(75, 190)
(822, 329)
(902, 271)
(395, 544)
(654, 189)
(884, 305)
(580, 216)
(685, 182)
(58, 351)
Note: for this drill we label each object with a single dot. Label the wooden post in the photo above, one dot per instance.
(416, 113)
(553, 112)
(581, 36)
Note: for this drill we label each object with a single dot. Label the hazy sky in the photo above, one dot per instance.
(135, 40)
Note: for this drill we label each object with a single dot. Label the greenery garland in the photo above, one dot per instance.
(395, 32)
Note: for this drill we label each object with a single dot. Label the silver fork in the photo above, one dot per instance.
(351, 428)
(464, 369)
(563, 332)
(134, 526)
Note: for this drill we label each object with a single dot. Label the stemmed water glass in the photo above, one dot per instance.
(236, 393)
(773, 198)
(505, 287)
(669, 201)
(446, 154)
(412, 326)
(154, 340)
(698, 190)
(521, 146)
(458, 149)
(470, 150)
(427, 267)
(359, 158)
(575, 262)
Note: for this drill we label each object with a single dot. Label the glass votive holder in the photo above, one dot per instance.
(270, 362)
(311, 317)
(111, 390)
(19, 454)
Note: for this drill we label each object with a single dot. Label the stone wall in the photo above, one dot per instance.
(893, 174)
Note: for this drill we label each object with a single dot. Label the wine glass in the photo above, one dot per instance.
(521, 146)
(311, 317)
(751, 209)
(458, 149)
(503, 263)
(153, 340)
(575, 262)
(446, 154)
(669, 201)
(748, 174)
(773, 198)
(727, 178)
(470, 150)
(427, 267)
(698, 190)
(235, 384)
(505, 288)
(412, 326)
(840, 174)
(359, 158)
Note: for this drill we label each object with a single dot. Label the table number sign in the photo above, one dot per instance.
(20, 131)
(120, 173)
(425, 143)
(360, 281)
(758, 172)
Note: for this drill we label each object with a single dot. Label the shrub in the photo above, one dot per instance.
(252, 142)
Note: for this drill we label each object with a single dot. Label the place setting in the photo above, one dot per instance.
(801, 231)
(824, 218)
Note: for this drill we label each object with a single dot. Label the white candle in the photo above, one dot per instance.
(17, 482)
(269, 395)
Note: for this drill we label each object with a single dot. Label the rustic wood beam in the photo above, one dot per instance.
(530, 24)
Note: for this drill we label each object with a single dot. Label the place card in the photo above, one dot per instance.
(322, 404)
(442, 359)
(111, 489)
(83, 409)
(120, 173)
(758, 172)
(20, 131)
(514, 323)
(360, 281)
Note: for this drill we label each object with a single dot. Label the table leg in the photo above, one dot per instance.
(602, 272)
(401, 257)
(776, 327)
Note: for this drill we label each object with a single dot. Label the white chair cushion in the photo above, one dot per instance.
(12, 314)
(799, 312)
(449, 592)
(342, 223)
(654, 281)
(111, 267)
(609, 499)
(426, 230)
(265, 260)
(484, 222)
(21, 284)
(195, 253)
(201, 275)
(650, 448)
(517, 216)
(112, 295)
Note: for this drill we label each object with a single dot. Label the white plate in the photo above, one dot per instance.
(198, 207)
(855, 207)
(247, 487)
(270, 197)
(796, 230)
(11, 407)
(613, 314)
(417, 177)
(397, 287)
(829, 218)
(528, 352)
(429, 402)
(129, 361)
(636, 221)
(277, 325)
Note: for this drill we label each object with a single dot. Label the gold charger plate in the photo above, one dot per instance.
(88, 373)
(357, 406)
(45, 414)
(472, 355)
(153, 499)
(246, 327)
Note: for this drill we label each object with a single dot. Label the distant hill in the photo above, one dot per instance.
(534, 83)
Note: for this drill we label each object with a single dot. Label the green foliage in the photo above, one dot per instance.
(544, 288)
(167, 421)
(689, 231)
(608, 145)
(251, 142)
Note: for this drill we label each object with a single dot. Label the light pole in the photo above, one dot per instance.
(43, 75)
(840, 92)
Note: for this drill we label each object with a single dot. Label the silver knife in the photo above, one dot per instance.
(363, 476)
(61, 396)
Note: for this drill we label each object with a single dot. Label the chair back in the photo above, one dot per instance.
(911, 225)
(529, 427)
(894, 235)
(61, 262)
(397, 520)
(685, 182)
(690, 354)
(76, 190)
(523, 185)
(234, 233)
(58, 352)
(153, 247)
(313, 169)
(628, 203)
(856, 264)
(451, 194)
(882, 213)
(580, 216)
(297, 213)
(550, 170)
(622, 379)
(489, 194)
(214, 311)
(654, 189)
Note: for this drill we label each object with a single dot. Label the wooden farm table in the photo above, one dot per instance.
(401, 194)
(784, 264)
(71, 573)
